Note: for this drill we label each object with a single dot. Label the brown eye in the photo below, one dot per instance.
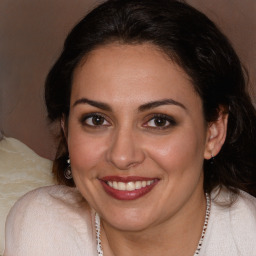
(95, 120)
(160, 122)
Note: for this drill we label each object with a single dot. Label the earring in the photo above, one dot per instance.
(68, 172)
(212, 159)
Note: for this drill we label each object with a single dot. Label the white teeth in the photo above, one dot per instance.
(137, 184)
(114, 185)
(121, 186)
(129, 186)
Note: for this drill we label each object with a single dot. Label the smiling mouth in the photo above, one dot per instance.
(127, 188)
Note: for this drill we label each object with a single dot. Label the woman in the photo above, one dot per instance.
(157, 139)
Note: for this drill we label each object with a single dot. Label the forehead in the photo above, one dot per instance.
(133, 73)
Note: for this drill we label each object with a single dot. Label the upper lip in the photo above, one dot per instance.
(126, 178)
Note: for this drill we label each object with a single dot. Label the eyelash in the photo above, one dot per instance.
(171, 122)
(164, 117)
(94, 115)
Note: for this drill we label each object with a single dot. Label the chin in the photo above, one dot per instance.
(129, 219)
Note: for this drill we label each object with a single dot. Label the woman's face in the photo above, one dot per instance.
(136, 136)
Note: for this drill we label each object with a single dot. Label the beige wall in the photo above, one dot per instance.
(237, 19)
(31, 37)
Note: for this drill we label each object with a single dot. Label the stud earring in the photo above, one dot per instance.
(68, 172)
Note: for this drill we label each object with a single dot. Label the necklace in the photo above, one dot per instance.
(200, 243)
(206, 219)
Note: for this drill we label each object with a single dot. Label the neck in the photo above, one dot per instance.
(178, 235)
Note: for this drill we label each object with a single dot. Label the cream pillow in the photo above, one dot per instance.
(21, 170)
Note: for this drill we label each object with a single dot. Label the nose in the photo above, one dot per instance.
(125, 150)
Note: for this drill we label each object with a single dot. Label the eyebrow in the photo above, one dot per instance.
(159, 103)
(93, 103)
(144, 107)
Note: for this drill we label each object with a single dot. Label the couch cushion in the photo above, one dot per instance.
(21, 170)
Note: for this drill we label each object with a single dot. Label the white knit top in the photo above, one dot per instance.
(56, 221)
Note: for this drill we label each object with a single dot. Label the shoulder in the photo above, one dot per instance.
(232, 227)
(243, 222)
(242, 208)
(248, 201)
(48, 200)
(57, 216)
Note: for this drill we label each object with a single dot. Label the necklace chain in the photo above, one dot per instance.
(98, 240)
(200, 243)
(206, 219)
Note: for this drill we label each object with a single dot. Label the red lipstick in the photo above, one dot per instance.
(124, 194)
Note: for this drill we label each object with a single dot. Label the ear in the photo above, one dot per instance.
(216, 135)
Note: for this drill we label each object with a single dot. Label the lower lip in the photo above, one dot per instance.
(128, 195)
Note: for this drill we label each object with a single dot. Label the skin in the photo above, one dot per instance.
(127, 142)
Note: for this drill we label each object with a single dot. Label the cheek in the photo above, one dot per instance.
(180, 153)
(85, 152)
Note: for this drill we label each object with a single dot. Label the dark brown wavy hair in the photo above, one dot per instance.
(192, 41)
